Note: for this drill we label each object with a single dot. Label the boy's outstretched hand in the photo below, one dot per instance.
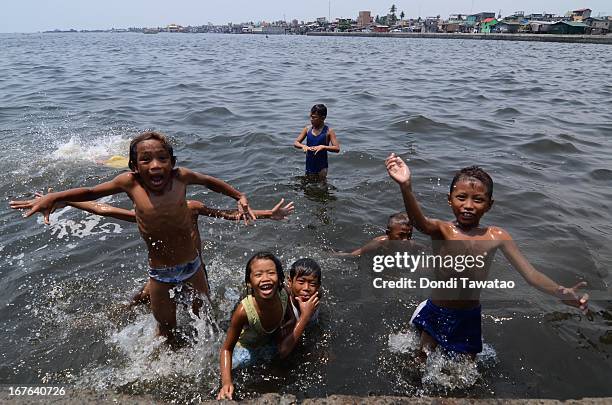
(398, 170)
(569, 296)
(279, 212)
(42, 203)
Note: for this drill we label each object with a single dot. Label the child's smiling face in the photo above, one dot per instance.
(469, 200)
(304, 286)
(153, 164)
(263, 278)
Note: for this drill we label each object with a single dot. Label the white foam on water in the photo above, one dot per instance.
(91, 225)
(148, 360)
(91, 150)
(441, 371)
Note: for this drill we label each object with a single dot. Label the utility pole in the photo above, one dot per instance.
(329, 11)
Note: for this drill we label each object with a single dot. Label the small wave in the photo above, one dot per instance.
(508, 112)
(204, 117)
(549, 146)
(601, 174)
(420, 123)
(364, 95)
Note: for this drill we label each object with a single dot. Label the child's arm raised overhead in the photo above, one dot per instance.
(239, 320)
(306, 310)
(399, 171)
(568, 296)
(46, 203)
(218, 186)
(298, 141)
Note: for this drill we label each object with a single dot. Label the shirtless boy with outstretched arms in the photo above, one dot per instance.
(158, 191)
(454, 322)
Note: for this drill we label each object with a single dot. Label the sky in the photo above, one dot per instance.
(42, 15)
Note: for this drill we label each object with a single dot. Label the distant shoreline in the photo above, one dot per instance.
(585, 39)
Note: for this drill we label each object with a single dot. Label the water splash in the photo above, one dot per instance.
(444, 372)
(97, 150)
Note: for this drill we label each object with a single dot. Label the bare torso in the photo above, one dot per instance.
(166, 223)
(454, 241)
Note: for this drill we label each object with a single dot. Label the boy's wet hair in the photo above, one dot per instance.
(474, 172)
(305, 267)
(265, 256)
(319, 109)
(145, 136)
(399, 218)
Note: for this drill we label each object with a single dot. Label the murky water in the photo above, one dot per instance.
(535, 115)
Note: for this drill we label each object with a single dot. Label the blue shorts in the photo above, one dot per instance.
(176, 274)
(244, 357)
(455, 330)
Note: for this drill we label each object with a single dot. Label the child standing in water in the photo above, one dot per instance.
(454, 323)
(257, 324)
(319, 140)
(158, 191)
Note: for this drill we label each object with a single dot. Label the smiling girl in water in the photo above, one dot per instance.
(258, 322)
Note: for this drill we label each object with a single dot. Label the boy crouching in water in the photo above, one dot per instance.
(455, 324)
(399, 228)
(165, 222)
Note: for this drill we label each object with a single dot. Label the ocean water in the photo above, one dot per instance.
(535, 115)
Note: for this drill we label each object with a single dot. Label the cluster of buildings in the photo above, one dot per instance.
(574, 22)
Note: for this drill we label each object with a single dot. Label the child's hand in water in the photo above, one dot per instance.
(569, 296)
(226, 392)
(279, 212)
(398, 170)
(307, 308)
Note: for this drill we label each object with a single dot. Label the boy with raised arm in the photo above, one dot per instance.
(158, 191)
(455, 323)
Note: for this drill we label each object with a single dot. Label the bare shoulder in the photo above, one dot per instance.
(239, 317)
(182, 173)
(498, 233)
(381, 238)
(126, 179)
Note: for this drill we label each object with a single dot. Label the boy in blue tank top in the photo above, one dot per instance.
(319, 140)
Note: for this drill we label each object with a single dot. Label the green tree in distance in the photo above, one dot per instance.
(402, 15)
(392, 15)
